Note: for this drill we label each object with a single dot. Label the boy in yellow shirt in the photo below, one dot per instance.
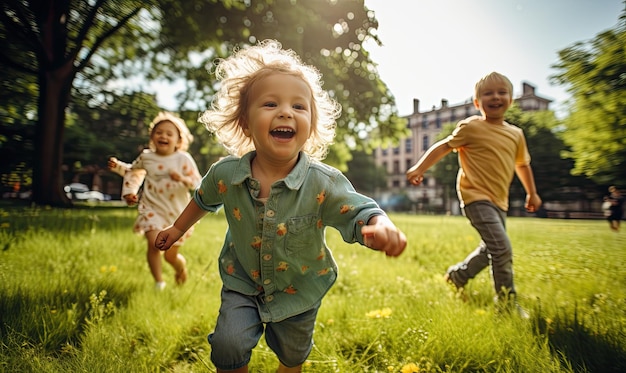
(490, 151)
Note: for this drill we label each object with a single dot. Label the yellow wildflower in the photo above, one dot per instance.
(410, 368)
(385, 313)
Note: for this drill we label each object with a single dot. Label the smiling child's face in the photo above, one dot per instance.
(165, 137)
(494, 99)
(279, 117)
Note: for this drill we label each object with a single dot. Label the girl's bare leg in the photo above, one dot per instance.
(154, 257)
(179, 263)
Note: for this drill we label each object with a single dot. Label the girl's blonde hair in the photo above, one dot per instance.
(489, 78)
(186, 137)
(238, 74)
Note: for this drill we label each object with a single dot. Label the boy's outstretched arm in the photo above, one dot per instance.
(168, 236)
(381, 234)
(525, 174)
(438, 150)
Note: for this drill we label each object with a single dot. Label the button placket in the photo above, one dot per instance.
(267, 262)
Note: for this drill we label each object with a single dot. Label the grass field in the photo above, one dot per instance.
(76, 296)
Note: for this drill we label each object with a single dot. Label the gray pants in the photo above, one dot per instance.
(494, 248)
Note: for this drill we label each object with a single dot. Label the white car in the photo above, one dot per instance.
(81, 192)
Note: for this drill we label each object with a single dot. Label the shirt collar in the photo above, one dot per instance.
(294, 180)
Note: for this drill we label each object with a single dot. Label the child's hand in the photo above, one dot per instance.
(167, 237)
(381, 234)
(178, 177)
(533, 202)
(131, 199)
(112, 163)
(414, 175)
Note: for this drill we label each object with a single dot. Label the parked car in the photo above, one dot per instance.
(81, 192)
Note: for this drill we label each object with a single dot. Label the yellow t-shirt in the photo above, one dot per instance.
(488, 154)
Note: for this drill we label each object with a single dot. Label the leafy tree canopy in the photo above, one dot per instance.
(83, 48)
(594, 73)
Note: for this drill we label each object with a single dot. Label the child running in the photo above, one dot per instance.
(490, 152)
(277, 123)
(168, 174)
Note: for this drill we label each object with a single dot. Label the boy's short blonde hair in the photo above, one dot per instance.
(489, 78)
(186, 137)
(248, 65)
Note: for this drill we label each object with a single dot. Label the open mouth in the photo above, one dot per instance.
(283, 133)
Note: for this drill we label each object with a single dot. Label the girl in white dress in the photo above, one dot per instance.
(168, 173)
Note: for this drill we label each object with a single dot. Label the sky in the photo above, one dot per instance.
(438, 49)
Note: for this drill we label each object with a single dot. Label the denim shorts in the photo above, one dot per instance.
(239, 328)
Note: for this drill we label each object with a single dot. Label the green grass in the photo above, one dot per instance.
(76, 296)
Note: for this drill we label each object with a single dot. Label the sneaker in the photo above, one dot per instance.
(159, 286)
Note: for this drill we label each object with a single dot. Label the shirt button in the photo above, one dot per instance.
(270, 213)
(269, 298)
(267, 257)
(267, 281)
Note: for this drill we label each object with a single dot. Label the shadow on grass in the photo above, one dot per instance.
(53, 316)
(18, 218)
(581, 348)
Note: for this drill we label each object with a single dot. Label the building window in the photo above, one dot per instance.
(396, 167)
(408, 145)
(425, 142)
(396, 150)
(424, 122)
(384, 151)
(409, 163)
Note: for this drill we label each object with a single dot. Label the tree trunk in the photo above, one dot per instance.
(54, 93)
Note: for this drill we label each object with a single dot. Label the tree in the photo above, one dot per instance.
(593, 71)
(364, 174)
(553, 178)
(80, 45)
(53, 41)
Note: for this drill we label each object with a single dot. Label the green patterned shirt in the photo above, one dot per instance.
(276, 249)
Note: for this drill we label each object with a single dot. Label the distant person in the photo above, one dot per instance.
(490, 151)
(166, 173)
(277, 123)
(615, 202)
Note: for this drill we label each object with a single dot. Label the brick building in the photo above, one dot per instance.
(424, 127)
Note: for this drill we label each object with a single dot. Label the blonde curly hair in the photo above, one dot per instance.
(240, 71)
(186, 137)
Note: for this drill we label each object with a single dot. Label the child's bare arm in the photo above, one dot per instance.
(188, 217)
(525, 174)
(381, 234)
(440, 149)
